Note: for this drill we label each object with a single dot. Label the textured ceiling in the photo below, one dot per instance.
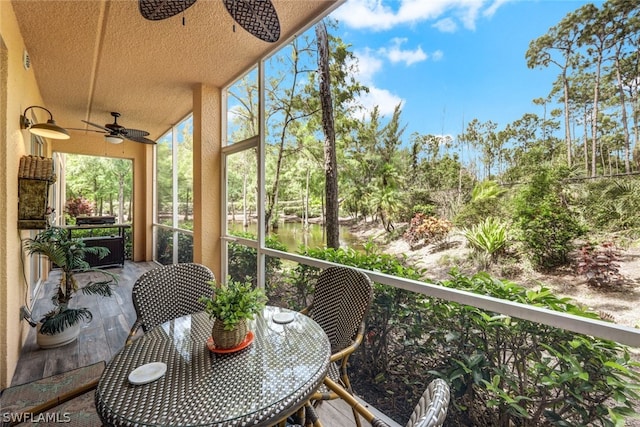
(94, 57)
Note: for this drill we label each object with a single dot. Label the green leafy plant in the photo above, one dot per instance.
(503, 368)
(484, 202)
(547, 226)
(243, 260)
(233, 302)
(489, 238)
(68, 254)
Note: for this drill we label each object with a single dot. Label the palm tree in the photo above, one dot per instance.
(68, 254)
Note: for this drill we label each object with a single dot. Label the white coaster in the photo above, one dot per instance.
(147, 373)
(283, 317)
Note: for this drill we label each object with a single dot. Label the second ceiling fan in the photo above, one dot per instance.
(258, 17)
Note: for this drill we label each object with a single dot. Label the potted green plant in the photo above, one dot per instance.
(230, 306)
(61, 325)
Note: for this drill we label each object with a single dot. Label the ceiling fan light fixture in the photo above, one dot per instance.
(48, 130)
(113, 139)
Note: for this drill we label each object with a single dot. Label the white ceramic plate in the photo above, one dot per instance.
(147, 373)
(285, 317)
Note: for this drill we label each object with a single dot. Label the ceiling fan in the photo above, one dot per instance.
(115, 133)
(258, 17)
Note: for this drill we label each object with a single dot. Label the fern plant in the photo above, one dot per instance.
(68, 254)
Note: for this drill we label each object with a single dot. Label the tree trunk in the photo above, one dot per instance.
(567, 128)
(594, 116)
(330, 163)
(623, 118)
(586, 151)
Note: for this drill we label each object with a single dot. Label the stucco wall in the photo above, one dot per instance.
(207, 192)
(19, 91)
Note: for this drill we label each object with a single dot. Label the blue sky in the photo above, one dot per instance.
(449, 61)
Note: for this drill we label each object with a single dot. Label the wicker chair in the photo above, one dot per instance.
(432, 407)
(168, 292)
(430, 411)
(341, 301)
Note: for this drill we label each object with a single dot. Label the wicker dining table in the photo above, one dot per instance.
(259, 385)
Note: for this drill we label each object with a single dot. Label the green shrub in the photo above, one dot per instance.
(547, 226)
(243, 260)
(164, 247)
(507, 371)
(620, 210)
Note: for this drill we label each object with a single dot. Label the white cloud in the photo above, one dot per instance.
(491, 10)
(368, 65)
(395, 54)
(365, 14)
(380, 15)
(385, 100)
(437, 55)
(446, 25)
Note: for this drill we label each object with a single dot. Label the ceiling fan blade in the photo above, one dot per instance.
(98, 126)
(137, 138)
(258, 17)
(156, 10)
(85, 130)
(134, 133)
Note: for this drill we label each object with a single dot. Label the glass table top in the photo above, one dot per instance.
(258, 385)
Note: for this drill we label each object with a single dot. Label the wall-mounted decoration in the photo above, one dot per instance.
(35, 175)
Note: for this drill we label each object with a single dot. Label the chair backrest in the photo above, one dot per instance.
(431, 409)
(341, 300)
(170, 291)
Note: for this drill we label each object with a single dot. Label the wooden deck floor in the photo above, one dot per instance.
(105, 335)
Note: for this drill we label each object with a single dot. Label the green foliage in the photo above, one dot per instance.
(428, 210)
(164, 247)
(243, 260)
(546, 224)
(105, 183)
(485, 202)
(68, 254)
(233, 302)
(610, 205)
(489, 238)
(503, 368)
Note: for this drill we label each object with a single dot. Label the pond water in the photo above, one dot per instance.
(293, 235)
